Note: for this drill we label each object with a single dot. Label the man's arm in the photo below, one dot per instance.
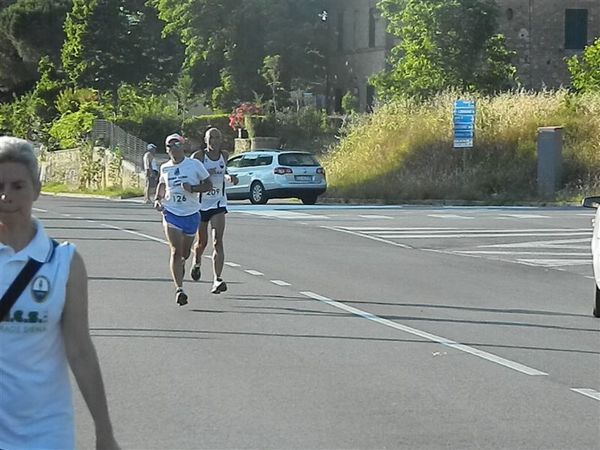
(81, 353)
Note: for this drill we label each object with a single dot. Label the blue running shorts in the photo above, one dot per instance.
(186, 224)
(205, 216)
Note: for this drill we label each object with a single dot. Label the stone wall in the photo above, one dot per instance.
(67, 167)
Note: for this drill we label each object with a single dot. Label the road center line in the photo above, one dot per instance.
(254, 272)
(430, 337)
(588, 393)
(135, 233)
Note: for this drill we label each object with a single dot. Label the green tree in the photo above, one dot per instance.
(226, 43)
(29, 30)
(271, 72)
(444, 44)
(585, 70)
(111, 42)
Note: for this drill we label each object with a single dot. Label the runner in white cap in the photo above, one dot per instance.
(181, 180)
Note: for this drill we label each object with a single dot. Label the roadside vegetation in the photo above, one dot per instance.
(404, 150)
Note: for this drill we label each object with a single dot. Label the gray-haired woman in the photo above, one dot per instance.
(46, 329)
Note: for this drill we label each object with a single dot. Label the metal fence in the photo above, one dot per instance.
(111, 136)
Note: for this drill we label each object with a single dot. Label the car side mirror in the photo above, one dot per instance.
(591, 202)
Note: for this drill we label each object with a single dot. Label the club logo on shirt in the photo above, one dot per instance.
(40, 288)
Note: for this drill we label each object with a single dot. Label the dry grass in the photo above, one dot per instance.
(404, 150)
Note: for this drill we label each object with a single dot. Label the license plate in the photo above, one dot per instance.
(303, 178)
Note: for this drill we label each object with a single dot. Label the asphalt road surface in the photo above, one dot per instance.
(345, 327)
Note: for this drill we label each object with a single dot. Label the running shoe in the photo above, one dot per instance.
(219, 286)
(195, 272)
(181, 297)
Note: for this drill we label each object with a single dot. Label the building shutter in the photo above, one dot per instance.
(576, 25)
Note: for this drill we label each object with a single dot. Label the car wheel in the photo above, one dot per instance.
(309, 199)
(258, 195)
(597, 305)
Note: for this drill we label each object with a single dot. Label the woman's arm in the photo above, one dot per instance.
(81, 353)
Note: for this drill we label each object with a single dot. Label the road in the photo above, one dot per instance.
(345, 327)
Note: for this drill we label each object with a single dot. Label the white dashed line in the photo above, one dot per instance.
(40, 210)
(230, 264)
(430, 337)
(135, 233)
(588, 393)
(280, 283)
(254, 272)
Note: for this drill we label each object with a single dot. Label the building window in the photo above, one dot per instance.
(340, 32)
(372, 26)
(576, 25)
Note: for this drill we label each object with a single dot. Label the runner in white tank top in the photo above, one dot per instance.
(213, 208)
(46, 329)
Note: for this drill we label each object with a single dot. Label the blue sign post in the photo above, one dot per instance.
(464, 123)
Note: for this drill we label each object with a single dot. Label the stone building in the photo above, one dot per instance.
(543, 33)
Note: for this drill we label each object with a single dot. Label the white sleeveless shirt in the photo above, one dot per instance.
(177, 200)
(36, 409)
(216, 197)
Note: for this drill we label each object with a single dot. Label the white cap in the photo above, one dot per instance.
(150, 147)
(174, 137)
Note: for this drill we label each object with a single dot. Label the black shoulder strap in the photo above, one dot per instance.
(20, 283)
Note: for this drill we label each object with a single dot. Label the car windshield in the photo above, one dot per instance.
(297, 159)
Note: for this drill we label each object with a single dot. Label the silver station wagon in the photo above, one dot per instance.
(265, 174)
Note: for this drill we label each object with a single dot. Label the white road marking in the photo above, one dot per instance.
(135, 233)
(280, 283)
(492, 252)
(555, 262)
(558, 243)
(588, 393)
(430, 337)
(412, 230)
(523, 216)
(278, 214)
(449, 216)
(397, 244)
(472, 235)
(230, 264)
(40, 210)
(254, 272)
(373, 216)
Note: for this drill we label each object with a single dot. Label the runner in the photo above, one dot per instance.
(181, 179)
(213, 208)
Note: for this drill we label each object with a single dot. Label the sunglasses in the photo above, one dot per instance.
(174, 144)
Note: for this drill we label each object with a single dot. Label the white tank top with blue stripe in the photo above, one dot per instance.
(216, 197)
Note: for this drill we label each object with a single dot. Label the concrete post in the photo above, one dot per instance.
(549, 160)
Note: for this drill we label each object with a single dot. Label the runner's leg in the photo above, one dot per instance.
(217, 223)
(201, 242)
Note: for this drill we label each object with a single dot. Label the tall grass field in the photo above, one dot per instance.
(404, 150)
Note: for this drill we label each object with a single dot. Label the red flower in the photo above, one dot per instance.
(236, 119)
